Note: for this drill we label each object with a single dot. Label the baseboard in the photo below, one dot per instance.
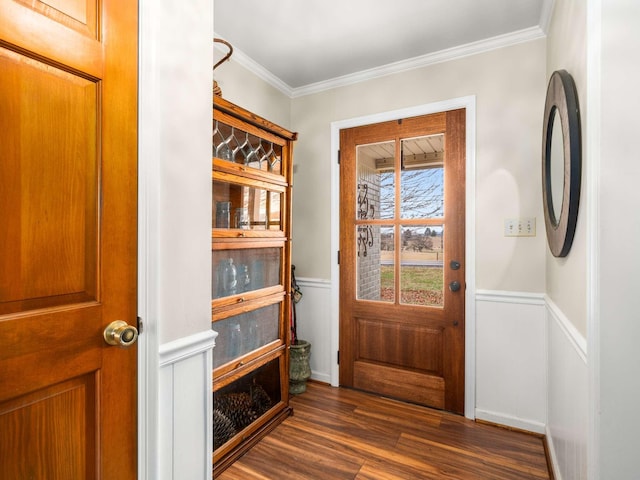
(511, 421)
(321, 377)
(550, 453)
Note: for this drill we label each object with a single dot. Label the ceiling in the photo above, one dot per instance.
(306, 42)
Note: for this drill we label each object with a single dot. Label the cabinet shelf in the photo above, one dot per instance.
(251, 175)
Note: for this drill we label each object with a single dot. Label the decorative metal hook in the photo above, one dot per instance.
(216, 88)
(227, 56)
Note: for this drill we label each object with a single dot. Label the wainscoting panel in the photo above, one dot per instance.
(568, 419)
(185, 408)
(314, 325)
(510, 359)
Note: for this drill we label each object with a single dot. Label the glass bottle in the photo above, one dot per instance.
(223, 212)
(228, 276)
(235, 340)
(245, 279)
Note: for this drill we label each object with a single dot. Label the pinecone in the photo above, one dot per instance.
(237, 407)
(260, 399)
(223, 429)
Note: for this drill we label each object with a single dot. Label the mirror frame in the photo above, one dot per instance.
(563, 99)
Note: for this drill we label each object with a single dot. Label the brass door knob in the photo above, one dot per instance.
(120, 333)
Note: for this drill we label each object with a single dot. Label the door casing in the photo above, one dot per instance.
(468, 103)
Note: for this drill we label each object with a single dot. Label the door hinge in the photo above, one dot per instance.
(338, 157)
(140, 326)
(338, 359)
(338, 257)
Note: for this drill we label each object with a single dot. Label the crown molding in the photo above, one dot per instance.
(494, 43)
(546, 12)
(441, 56)
(258, 70)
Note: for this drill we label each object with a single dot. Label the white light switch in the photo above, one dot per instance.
(520, 227)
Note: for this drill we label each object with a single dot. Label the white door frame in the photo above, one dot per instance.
(468, 103)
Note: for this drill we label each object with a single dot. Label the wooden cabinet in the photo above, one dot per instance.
(251, 266)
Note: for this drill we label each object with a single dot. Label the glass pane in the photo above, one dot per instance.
(375, 262)
(556, 164)
(273, 209)
(241, 403)
(247, 208)
(375, 181)
(421, 272)
(245, 270)
(244, 333)
(235, 145)
(422, 177)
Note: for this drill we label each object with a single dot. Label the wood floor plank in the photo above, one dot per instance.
(343, 434)
(457, 462)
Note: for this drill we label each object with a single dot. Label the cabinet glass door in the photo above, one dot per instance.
(246, 207)
(239, 146)
(239, 271)
(244, 333)
(242, 403)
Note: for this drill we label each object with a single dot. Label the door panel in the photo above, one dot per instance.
(402, 225)
(65, 411)
(68, 248)
(46, 196)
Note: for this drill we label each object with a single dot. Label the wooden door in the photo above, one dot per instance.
(68, 162)
(402, 259)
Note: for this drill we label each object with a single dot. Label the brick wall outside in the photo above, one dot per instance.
(368, 247)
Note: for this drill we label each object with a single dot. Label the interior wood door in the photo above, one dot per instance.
(68, 196)
(402, 266)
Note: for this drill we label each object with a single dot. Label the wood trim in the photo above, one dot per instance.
(246, 116)
(241, 303)
(225, 171)
(247, 364)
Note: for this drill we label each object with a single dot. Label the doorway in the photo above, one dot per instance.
(402, 266)
(468, 104)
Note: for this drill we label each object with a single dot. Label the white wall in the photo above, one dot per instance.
(566, 278)
(175, 90)
(567, 49)
(509, 84)
(510, 359)
(175, 157)
(245, 89)
(618, 171)
(313, 314)
(185, 430)
(568, 401)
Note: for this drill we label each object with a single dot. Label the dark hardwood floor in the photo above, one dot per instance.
(339, 434)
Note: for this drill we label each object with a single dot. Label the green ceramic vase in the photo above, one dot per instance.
(299, 368)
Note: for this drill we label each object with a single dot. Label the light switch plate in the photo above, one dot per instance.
(520, 227)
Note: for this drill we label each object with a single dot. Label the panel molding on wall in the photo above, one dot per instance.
(510, 359)
(567, 397)
(313, 315)
(186, 407)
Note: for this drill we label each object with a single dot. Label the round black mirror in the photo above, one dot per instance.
(561, 162)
